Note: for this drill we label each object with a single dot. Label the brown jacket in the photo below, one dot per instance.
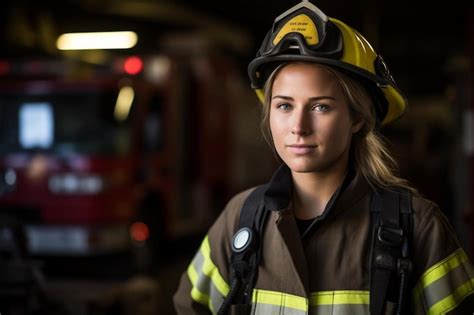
(327, 271)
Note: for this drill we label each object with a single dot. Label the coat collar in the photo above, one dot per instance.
(277, 197)
(278, 194)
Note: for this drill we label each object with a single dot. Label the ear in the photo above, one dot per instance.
(357, 125)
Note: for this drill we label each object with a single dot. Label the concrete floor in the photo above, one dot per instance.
(107, 284)
(145, 295)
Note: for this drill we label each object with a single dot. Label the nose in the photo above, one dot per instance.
(301, 123)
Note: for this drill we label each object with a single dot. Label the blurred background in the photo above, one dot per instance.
(115, 161)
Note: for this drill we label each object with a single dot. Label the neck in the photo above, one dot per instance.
(312, 191)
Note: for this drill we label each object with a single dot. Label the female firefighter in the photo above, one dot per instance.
(335, 231)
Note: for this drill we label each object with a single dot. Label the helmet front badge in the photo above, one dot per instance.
(300, 24)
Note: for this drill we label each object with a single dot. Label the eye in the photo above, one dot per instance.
(321, 107)
(284, 106)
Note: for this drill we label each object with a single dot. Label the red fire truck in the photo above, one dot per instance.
(92, 161)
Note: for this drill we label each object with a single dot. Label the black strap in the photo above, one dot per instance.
(244, 263)
(405, 264)
(390, 264)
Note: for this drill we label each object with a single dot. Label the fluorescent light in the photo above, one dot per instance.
(97, 40)
(124, 103)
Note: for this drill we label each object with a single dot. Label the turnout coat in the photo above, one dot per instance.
(327, 270)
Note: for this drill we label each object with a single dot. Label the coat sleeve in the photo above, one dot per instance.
(205, 283)
(443, 273)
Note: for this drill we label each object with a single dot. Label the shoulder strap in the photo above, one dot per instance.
(390, 261)
(246, 249)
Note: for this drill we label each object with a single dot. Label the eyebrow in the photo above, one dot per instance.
(314, 98)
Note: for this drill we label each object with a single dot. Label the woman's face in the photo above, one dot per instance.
(309, 119)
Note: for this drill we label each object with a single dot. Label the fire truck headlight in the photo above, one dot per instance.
(76, 184)
(92, 184)
(10, 177)
(8, 181)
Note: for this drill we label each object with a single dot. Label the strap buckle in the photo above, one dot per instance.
(390, 236)
(404, 265)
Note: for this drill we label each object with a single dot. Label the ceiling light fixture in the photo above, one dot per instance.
(97, 40)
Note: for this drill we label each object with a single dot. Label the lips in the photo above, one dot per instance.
(301, 149)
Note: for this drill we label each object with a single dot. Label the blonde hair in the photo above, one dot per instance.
(369, 152)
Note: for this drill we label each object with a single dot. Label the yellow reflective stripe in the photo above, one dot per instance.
(443, 286)
(209, 288)
(345, 297)
(279, 299)
(197, 295)
(210, 269)
(443, 267)
(192, 274)
(452, 301)
(340, 297)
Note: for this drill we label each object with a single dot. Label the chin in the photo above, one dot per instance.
(299, 167)
(312, 165)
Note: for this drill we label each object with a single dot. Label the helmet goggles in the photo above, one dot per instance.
(305, 33)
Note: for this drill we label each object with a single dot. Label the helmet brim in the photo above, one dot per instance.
(390, 108)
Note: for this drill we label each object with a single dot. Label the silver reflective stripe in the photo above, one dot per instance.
(273, 302)
(321, 303)
(209, 288)
(216, 299)
(444, 286)
(203, 283)
(344, 309)
(340, 302)
(265, 309)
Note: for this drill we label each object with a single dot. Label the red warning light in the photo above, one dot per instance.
(133, 65)
(4, 67)
(139, 231)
